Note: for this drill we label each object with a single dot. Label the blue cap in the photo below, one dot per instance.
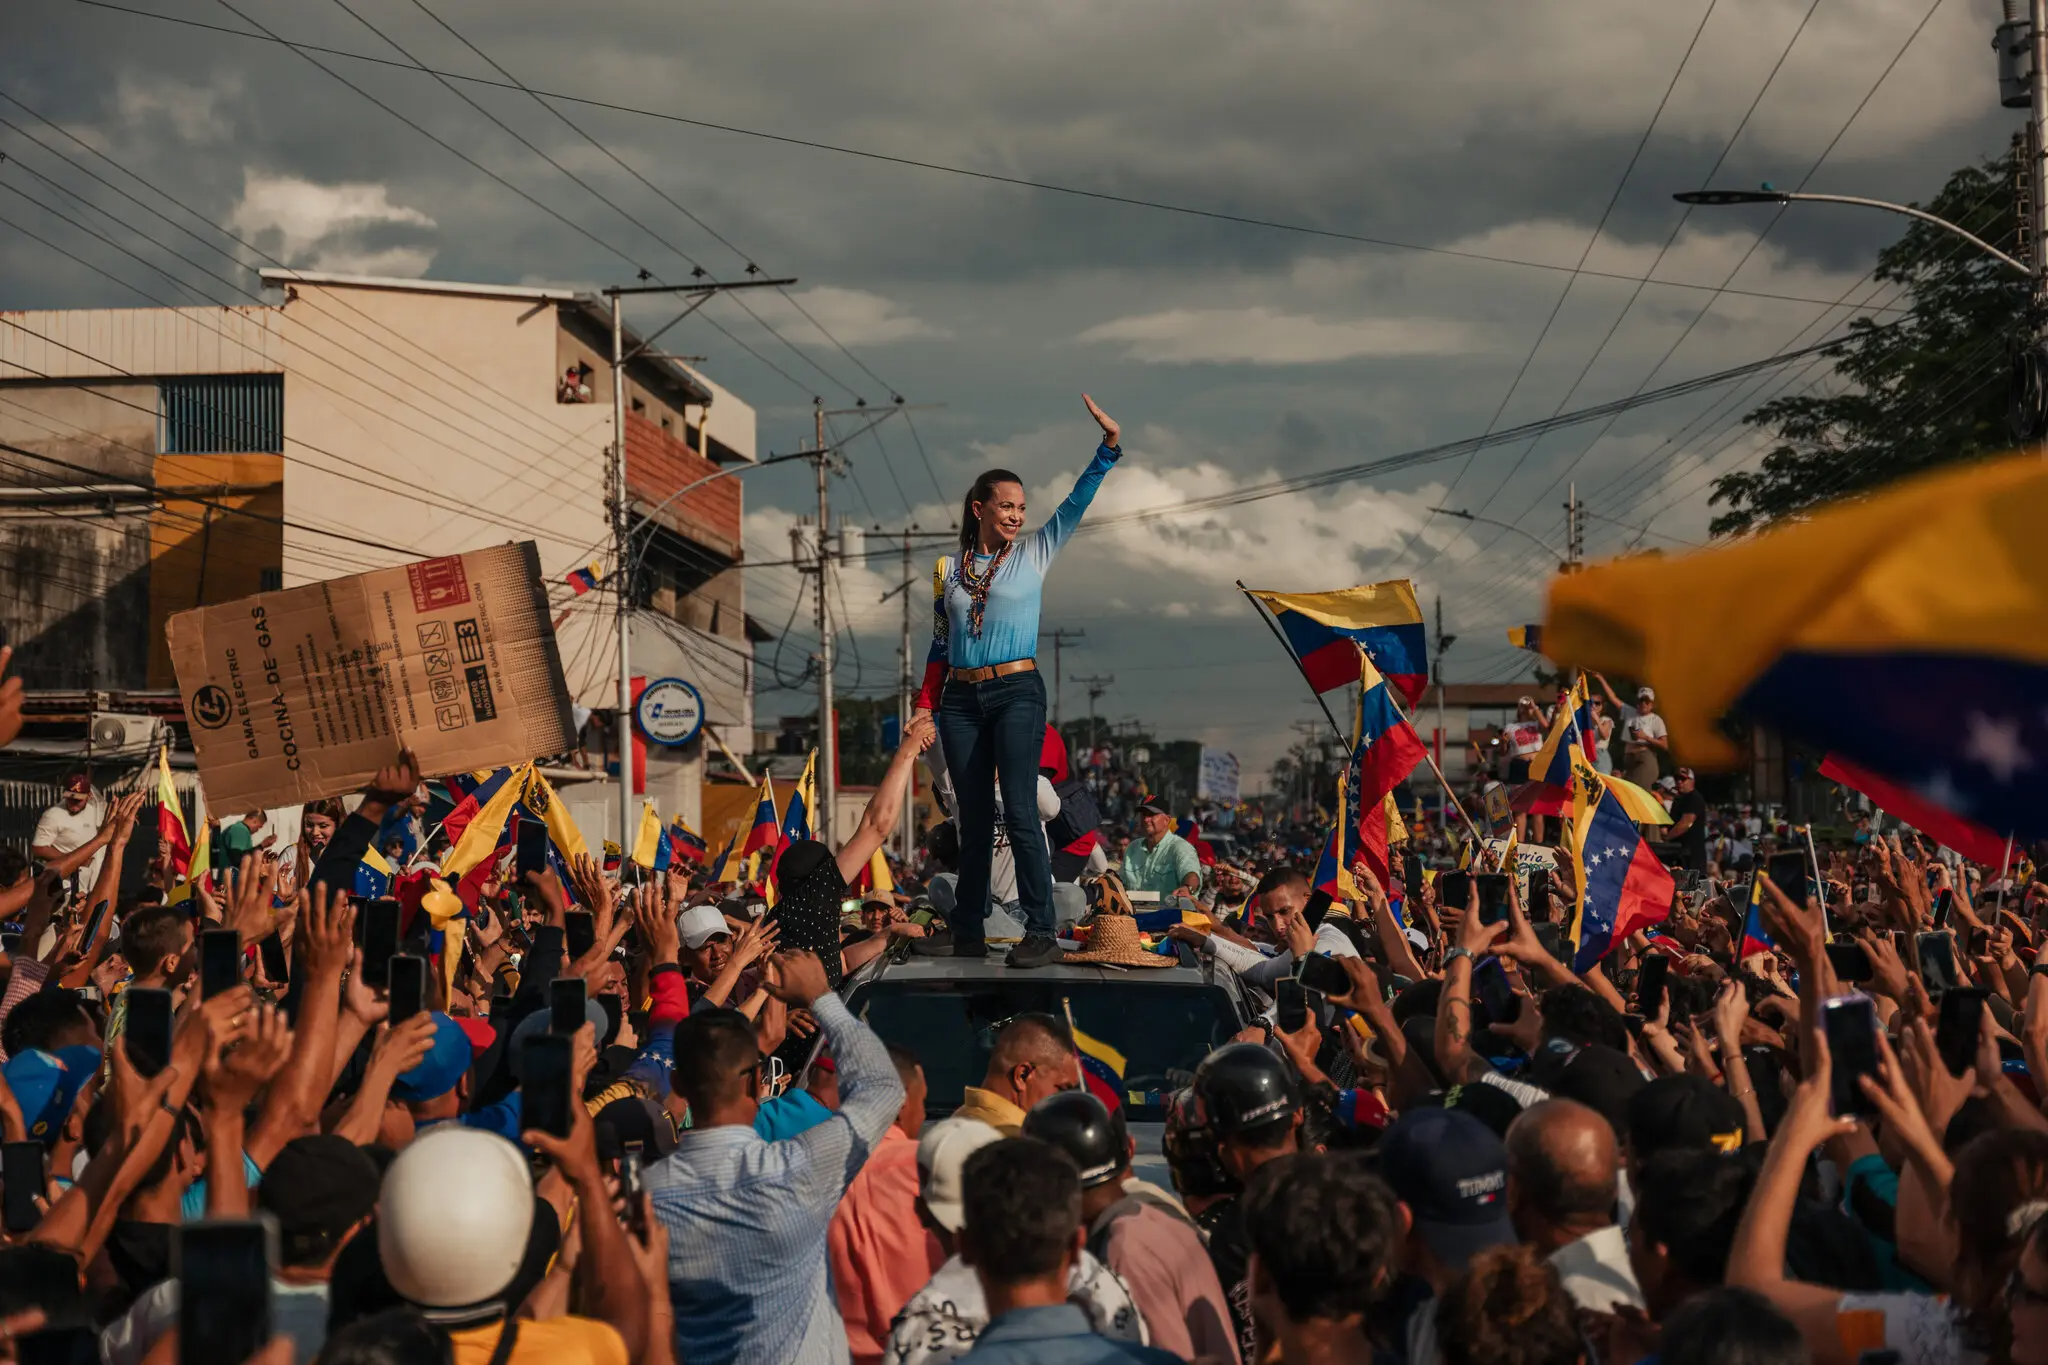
(1452, 1173)
(442, 1069)
(538, 1022)
(46, 1083)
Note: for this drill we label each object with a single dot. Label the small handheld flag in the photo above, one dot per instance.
(170, 817)
(1622, 886)
(1755, 938)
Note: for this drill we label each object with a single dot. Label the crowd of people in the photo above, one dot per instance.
(577, 1109)
(1460, 1147)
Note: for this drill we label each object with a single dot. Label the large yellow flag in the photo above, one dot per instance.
(1906, 631)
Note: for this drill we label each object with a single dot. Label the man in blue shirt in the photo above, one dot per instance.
(1022, 1201)
(747, 1218)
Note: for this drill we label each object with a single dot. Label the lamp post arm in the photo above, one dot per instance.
(1910, 212)
(1505, 526)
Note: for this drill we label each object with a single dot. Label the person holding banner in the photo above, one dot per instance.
(983, 687)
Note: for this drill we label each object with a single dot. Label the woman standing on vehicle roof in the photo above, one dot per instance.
(982, 685)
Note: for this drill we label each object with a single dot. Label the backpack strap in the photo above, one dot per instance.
(508, 1340)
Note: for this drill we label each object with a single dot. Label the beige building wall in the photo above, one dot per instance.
(427, 421)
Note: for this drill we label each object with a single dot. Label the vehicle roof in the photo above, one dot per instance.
(991, 968)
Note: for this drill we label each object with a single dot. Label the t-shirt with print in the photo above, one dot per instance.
(1638, 728)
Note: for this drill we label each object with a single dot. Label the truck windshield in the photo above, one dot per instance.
(1161, 1032)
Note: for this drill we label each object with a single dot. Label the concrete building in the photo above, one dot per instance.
(152, 460)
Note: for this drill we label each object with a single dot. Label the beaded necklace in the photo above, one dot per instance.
(976, 586)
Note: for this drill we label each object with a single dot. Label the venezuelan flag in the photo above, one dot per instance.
(1379, 829)
(1622, 886)
(1383, 619)
(1973, 841)
(1526, 637)
(483, 833)
(373, 875)
(1572, 731)
(583, 579)
(1905, 633)
(650, 846)
(1755, 938)
(475, 795)
(176, 845)
(1384, 746)
(764, 833)
(539, 800)
(686, 843)
(796, 816)
(1102, 1069)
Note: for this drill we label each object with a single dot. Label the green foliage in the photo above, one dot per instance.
(1923, 389)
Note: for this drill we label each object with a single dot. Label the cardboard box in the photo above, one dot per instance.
(305, 693)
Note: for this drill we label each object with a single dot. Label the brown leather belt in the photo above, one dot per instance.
(993, 671)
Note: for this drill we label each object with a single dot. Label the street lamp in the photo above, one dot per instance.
(1462, 515)
(1729, 198)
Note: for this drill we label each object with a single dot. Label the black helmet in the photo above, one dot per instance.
(1243, 1086)
(1085, 1129)
(1190, 1147)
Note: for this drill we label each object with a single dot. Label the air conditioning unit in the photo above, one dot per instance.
(114, 732)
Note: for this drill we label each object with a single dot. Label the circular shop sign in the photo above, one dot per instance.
(670, 711)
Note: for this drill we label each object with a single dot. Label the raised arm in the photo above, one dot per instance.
(878, 821)
(1060, 525)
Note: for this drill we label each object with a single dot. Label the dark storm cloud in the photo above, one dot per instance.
(1240, 354)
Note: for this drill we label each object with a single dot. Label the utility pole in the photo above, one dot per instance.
(2037, 145)
(1574, 530)
(1058, 638)
(1096, 687)
(903, 707)
(622, 575)
(1436, 669)
(828, 722)
(622, 511)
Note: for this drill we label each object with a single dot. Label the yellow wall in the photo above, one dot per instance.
(200, 550)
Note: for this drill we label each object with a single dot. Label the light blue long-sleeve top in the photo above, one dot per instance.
(1009, 622)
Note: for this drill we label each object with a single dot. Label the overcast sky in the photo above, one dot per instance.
(1234, 354)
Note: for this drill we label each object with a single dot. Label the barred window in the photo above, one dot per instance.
(231, 414)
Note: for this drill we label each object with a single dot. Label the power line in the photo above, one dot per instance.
(1726, 149)
(991, 176)
(1592, 240)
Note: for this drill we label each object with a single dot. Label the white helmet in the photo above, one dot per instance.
(453, 1217)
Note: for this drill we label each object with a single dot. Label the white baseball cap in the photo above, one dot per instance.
(700, 924)
(941, 1158)
(1646, 694)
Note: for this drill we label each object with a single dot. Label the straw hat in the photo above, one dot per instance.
(1113, 939)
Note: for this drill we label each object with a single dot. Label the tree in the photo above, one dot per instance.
(1926, 389)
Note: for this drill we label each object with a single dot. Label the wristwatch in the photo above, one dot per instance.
(1454, 954)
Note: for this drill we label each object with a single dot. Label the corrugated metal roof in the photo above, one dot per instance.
(112, 343)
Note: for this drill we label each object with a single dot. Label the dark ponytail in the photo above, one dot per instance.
(984, 488)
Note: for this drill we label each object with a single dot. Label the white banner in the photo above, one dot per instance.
(1218, 778)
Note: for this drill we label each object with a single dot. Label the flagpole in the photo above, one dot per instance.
(2004, 874)
(1273, 626)
(1820, 887)
(1393, 695)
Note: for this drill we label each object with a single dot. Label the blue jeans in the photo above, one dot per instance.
(995, 732)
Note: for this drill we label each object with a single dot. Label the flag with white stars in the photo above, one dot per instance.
(1904, 633)
(1622, 885)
